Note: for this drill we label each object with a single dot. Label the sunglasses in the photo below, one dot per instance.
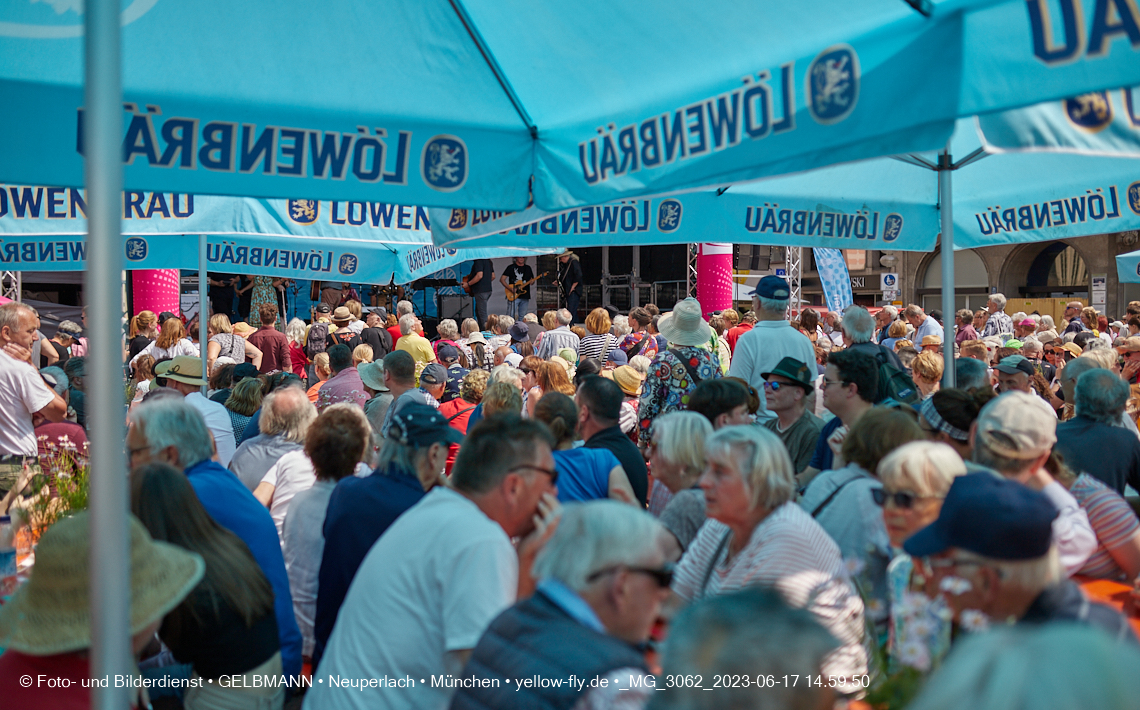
(553, 473)
(526, 371)
(663, 576)
(776, 386)
(901, 499)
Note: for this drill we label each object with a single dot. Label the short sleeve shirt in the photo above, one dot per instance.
(22, 394)
(1112, 520)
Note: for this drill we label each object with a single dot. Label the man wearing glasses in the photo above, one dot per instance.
(786, 389)
(603, 578)
(992, 556)
(444, 569)
(850, 385)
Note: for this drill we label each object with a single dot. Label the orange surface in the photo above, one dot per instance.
(1115, 594)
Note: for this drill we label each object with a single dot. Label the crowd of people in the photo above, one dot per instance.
(636, 500)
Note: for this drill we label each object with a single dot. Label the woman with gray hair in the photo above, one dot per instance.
(757, 535)
(677, 458)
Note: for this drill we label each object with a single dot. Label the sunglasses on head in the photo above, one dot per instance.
(901, 499)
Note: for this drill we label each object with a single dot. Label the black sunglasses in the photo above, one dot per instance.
(901, 499)
(553, 473)
(663, 576)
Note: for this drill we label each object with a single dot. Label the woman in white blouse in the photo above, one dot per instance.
(170, 343)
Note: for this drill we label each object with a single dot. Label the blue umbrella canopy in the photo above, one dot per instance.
(45, 229)
(460, 103)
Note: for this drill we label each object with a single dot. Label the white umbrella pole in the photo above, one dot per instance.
(106, 412)
(946, 212)
(203, 285)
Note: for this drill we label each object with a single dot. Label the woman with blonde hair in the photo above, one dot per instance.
(144, 329)
(323, 371)
(362, 354)
(926, 371)
(223, 342)
(915, 479)
(677, 458)
(501, 397)
(600, 340)
(170, 343)
(548, 377)
(895, 333)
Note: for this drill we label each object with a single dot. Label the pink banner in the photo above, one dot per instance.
(155, 290)
(714, 277)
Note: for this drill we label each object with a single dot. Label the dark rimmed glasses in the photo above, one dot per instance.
(901, 499)
(663, 575)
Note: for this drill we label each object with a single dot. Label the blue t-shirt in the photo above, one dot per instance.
(584, 474)
(823, 457)
(233, 506)
(359, 511)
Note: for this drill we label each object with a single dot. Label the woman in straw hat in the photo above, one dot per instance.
(226, 626)
(46, 626)
(677, 371)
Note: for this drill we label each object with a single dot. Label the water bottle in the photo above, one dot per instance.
(8, 581)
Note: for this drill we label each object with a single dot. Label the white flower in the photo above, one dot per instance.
(914, 653)
(974, 621)
(912, 604)
(854, 566)
(923, 627)
(955, 585)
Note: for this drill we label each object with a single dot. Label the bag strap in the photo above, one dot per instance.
(712, 563)
(685, 361)
(826, 501)
(636, 347)
(462, 411)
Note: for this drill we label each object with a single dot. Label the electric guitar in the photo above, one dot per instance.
(513, 289)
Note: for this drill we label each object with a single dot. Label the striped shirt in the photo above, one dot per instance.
(1112, 520)
(596, 346)
(791, 553)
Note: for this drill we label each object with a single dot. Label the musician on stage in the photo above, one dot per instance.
(478, 285)
(515, 276)
(570, 276)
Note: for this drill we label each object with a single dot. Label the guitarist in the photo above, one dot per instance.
(518, 273)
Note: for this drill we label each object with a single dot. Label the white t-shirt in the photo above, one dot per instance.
(431, 584)
(303, 542)
(292, 474)
(182, 347)
(762, 348)
(219, 424)
(22, 394)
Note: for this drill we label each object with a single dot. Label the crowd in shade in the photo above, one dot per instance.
(624, 511)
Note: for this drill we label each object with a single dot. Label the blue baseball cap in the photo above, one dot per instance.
(421, 425)
(990, 516)
(772, 287)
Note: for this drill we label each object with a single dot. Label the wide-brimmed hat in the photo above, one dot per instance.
(476, 337)
(242, 328)
(628, 379)
(567, 252)
(1073, 349)
(520, 333)
(372, 375)
(341, 315)
(184, 369)
(1131, 345)
(568, 355)
(51, 613)
(685, 325)
(931, 340)
(1047, 336)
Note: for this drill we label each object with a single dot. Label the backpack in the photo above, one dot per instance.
(894, 383)
(315, 341)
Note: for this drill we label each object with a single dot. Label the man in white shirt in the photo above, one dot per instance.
(437, 577)
(23, 393)
(184, 375)
(771, 340)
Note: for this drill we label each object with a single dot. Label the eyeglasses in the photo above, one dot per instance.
(775, 386)
(901, 499)
(526, 371)
(663, 576)
(828, 383)
(548, 471)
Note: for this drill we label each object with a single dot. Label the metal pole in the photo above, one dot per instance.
(110, 551)
(946, 212)
(203, 284)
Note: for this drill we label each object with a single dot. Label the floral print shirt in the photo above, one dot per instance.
(668, 385)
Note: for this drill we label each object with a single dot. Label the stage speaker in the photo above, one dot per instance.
(455, 307)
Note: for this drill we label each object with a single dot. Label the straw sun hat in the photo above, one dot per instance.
(685, 325)
(51, 613)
